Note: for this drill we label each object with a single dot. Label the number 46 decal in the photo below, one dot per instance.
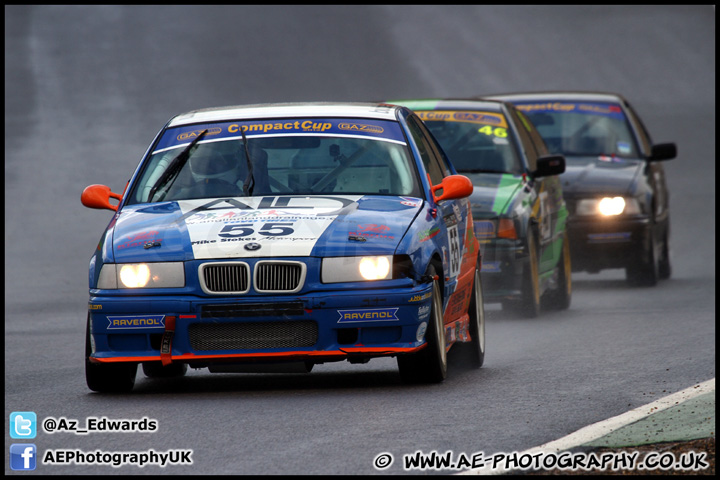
(271, 229)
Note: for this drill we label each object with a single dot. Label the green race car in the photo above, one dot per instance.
(517, 205)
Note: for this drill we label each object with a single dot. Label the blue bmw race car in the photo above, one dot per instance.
(276, 237)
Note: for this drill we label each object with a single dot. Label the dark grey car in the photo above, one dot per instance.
(614, 183)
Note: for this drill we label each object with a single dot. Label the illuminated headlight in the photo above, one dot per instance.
(608, 206)
(356, 269)
(142, 275)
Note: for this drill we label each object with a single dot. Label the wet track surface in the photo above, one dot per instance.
(87, 89)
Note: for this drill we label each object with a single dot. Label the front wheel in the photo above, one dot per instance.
(644, 272)
(664, 268)
(475, 349)
(528, 305)
(429, 365)
(560, 297)
(107, 378)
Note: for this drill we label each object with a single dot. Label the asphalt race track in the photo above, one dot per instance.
(88, 87)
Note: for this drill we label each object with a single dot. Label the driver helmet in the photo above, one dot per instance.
(210, 161)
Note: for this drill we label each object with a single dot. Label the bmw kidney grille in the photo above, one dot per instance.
(268, 277)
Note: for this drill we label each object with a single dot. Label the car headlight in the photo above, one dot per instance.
(356, 269)
(608, 206)
(142, 275)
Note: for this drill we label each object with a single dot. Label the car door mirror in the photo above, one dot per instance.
(549, 165)
(98, 196)
(453, 187)
(663, 151)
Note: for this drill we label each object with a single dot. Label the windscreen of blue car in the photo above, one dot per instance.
(287, 156)
(589, 129)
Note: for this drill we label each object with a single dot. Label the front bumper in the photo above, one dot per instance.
(603, 243)
(314, 328)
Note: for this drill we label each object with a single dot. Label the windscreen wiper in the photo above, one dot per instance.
(249, 183)
(171, 173)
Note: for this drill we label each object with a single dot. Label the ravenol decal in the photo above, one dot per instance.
(364, 315)
(130, 322)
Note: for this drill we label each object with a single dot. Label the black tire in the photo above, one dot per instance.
(474, 350)
(529, 303)
(644, 272)
(429, 365)
(664, 267)
(560, 297)
(157, 370)
(110, 378)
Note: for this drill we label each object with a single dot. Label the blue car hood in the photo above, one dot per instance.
(262, 227)
(600, 175)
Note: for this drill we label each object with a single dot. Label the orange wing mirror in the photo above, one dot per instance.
(452, 187)
(98, 196)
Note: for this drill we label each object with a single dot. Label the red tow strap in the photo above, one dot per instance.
(166, 346)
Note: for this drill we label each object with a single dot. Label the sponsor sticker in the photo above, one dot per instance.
(420, 298)
(131, 322)
(590, 108)
(384, 130)
(482, 118)
(368, 315)
(421, 332)
(288, 225)
(484, 228)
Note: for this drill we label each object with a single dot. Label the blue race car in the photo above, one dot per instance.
(614, 183)
(275, 237)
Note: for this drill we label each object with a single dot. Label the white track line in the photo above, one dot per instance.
(600, 429)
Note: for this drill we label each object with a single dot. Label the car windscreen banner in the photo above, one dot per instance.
(482, 118)
(346, 127)
(585, 108)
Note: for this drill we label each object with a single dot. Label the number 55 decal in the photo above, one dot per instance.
(271, 229)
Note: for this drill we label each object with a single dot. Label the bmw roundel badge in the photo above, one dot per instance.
(252, 246)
